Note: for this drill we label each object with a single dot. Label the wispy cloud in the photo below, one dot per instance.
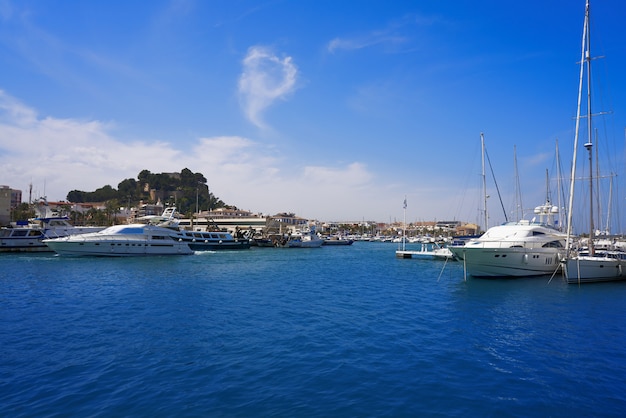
(398, 33)
(265, 79)
(364, 41)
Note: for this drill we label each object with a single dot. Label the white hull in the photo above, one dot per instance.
(305, 243)
(122, 241)
(587, 269)
(508, 262)
(124, 248)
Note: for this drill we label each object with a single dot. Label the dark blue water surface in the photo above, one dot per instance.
(334, 331)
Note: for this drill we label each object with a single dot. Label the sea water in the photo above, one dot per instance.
(332, 331)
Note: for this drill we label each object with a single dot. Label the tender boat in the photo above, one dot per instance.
(515, 249)
(121, 241)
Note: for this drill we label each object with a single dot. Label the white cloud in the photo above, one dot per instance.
(265, 78)
(60, 155)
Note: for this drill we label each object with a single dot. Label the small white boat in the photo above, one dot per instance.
(427, 251)
(337, 240)
(306, 238)
(123, 241)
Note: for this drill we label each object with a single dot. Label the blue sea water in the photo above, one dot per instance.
(334, 331)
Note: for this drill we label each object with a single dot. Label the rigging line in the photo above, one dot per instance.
(442, 269)
(496, 184)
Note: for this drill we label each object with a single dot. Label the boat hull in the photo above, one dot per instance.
(23, 245)
(508, 262)
(219, 246)
(112, 248)
(587, 269)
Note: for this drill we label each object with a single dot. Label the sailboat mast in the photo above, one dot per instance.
(577, 130)
(518, 191)
(482, 146)
(558, 186)
(589, 144)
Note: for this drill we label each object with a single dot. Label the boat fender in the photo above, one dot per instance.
(525, 258)
(220, 241)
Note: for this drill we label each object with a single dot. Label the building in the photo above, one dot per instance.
(228, 219)
(9, 199)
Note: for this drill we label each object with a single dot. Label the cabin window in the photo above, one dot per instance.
(553, 244)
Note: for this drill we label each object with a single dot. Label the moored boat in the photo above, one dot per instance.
(591, 264)
(337, 240)
(29, 236)
(123, 241)
(213, 241)
(515, 249)
(305, 238)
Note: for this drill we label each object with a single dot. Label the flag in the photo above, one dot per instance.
(405, 203)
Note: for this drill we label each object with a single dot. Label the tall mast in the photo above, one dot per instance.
(589, 144)
(518, 191)
(482, 145)
(577, 129)
(558, 186)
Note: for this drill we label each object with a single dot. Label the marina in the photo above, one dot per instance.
(161, 294)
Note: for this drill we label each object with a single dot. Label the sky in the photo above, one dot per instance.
(333, 110)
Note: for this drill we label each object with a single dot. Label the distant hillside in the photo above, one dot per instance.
(187, 190)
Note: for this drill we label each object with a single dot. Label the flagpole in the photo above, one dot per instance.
(404, 226)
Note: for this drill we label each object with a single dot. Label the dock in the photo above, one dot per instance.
(432, 252)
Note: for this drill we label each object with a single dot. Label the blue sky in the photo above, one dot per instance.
(335, 110)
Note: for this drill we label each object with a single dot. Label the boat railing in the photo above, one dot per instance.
(496, 244)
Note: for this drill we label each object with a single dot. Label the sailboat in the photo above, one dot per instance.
(588, 265)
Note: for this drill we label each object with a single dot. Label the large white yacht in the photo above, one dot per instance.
(515, 249)
(123, 240)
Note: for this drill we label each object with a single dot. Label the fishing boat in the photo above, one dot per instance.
(586, 264)
(123, 241)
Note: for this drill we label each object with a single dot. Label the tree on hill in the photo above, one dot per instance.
(188, 190)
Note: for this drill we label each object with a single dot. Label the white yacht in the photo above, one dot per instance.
(515, 249)
(123, 240)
